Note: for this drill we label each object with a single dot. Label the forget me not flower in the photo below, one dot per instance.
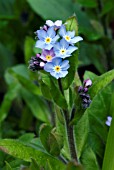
(63, 50)
(47, 55)
(46, 38)
(57, 68)
(69, 36)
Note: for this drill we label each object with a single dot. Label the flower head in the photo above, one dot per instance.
(63, 50)
(57, 68)
(47, 55)
(56, 24)
(69, 36)
(47, 38)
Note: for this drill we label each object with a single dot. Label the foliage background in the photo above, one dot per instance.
(23, 109)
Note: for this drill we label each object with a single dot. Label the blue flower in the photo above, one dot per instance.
(63, 50)
(69, 36)
(46, 38)
(57, 68)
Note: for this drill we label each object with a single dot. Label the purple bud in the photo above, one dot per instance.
(85, 90)
(87, 83)
(38, 55)
(80, 89)
(87, 96)
(36, 63)
(85, 100)
(45, 28)
(82, 95)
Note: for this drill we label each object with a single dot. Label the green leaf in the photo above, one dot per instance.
(45, 90)
(58, 98)
(101, 82)
(52, 141)
(10, 95)
(48, 166)
(6, 56)
(107, 7)
(88, 3)
(37, 105)
(34, 165)
(24, 81)
(91, 128)
(28, 48)
(42, 7)
(108, 162)
(26, 138)
(8, 167)
(60, 128)
(90, 75)
(93, 54)
(7, 9)
(24, 152)
(89, 160)
(71, 25)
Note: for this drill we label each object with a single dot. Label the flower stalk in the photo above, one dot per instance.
(69, 129)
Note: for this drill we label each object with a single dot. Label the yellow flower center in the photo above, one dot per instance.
(67, 38)
(63, 51)
(57, 68)
(48, 40)
(48, 57)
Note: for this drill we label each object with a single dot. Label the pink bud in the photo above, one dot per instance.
(87, 83)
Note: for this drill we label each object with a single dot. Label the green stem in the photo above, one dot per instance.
(69, 129)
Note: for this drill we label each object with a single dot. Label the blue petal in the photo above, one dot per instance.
(65, 65)
(64, 43)
(57, 61)
(70, 33)
(62, 31)
(48, 67)
(50, 32)
(76, 39)
(48, 46)
(71, 49)
(41, 34)
(63, 73)
(55, 74)
(55, 38)
(57, 46)
(40, 44)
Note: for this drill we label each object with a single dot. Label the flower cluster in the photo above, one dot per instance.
(83, 93)
(56, 44)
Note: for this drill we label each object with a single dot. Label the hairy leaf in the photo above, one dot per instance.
(24, 152)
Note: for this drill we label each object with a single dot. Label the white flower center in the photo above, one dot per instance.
(62, 51)
(48, 40)
(57, 68)
(48, 57)
(67, 38)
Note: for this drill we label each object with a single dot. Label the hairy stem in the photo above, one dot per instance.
(69, 129)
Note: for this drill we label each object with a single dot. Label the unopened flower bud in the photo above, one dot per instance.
(87, 83)
(80, 89)
(85, 89)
